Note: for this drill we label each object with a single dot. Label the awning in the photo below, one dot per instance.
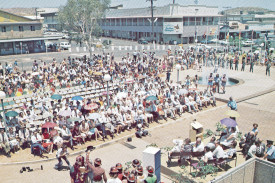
(29, 39)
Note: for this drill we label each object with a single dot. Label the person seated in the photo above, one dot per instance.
(93, 129)
(229, 138)
(77, 134)
(211, 144)
(24, 136)
(36, 142)
(167, 110)
(154, 111)
(260, 148)
(177, 147)
(84, 130)
(67, 135)
(14, 144)
(208, 155)
(187, 147)
(230, 152)
(198, 146)
(247, 142)
(218, 152)
(4, 142)
(46, 141)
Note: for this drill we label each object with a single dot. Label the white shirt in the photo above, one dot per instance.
(112, 180)
(218, 152)
(36, 139)
(60, 152)
(199, 148)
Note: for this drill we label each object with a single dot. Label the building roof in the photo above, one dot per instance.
(168, 11)
(265, 16)
(22, 17)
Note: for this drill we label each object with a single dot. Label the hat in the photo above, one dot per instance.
(119, 166)
(131, 178)
(129, 139)
(135, 162)
(90, 148)
(140, 169)
(269, 142)
(113, 170)
(150, 170)
(98, 161)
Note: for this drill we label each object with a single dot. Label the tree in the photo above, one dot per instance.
(82, 17)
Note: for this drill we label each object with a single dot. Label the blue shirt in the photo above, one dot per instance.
(271, 152)
(232, 105)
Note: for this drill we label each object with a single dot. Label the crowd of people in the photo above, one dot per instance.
(142, 97)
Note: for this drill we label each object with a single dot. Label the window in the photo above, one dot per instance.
(32, 28)
(21, 29)
(4, 29)
(135, 22)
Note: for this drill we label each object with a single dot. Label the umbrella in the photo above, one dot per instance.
(121, 95)
(229, 122)
(65, 113)
(35, 73)
(56, 97)
(53, 89)
(141, 77)
(141, 92)
(18, 94)
(152, 97)
(98, 73)
(74, 119)
(161, 75)
(91, 106)
(182, 91)
(129, 81)
(232, 113)
(11, 114)
(77, 98)
(105, 93)
(94, 116)
(49, 125)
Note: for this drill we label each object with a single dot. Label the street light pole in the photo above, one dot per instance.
(107, 78)
(152, 20)
(178, 67)
(2, 96)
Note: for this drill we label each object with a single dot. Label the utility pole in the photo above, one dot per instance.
(227, 25)
(152, 19)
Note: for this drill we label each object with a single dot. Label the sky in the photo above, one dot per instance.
(269, 4)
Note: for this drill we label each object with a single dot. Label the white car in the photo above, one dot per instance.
(65, 45)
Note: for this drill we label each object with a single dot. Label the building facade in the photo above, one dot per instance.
(173, 23)
(20, 35)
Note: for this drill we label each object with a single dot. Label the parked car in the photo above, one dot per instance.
(65, 45)
(247, 43)
(206, 42)
(142, 41)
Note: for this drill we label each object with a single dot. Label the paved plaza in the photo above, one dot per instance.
(256, 98)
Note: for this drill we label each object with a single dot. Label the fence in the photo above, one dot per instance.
(252, 171)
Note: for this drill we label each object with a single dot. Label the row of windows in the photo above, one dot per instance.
(20, 28)
(159, 22)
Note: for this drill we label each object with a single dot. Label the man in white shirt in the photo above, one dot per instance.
(66, 135)
(62, 154)
(198, 146)
(36, 142)
(218, 152)
(208, 155)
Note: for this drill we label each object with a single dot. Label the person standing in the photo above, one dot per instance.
(231, 64)
(217, 82)
(232, 104)
(268, 65)
(251, 66)
(151, 178)
(98, 172)
(4, 142)
(243, 64)
(236, 63)
(62, 153)
(270, 153)
(224, 80)
(168, 74)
